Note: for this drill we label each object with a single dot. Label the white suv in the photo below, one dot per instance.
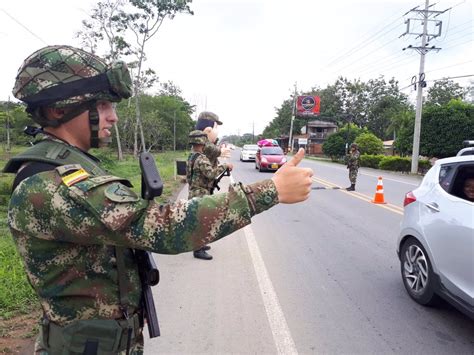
(436, 241)
(248, 152)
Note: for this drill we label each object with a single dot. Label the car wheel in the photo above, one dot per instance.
(417, 273)
(256, 167)
(260, 169)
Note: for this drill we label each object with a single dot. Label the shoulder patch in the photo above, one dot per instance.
(117, 192)
(74, 177)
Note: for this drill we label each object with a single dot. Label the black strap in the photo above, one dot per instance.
(66, 90)
(30, 170)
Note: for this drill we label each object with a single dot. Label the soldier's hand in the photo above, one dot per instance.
(293, 184)
(230, 166)
(225, 152)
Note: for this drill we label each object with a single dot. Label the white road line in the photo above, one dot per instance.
(280, 331)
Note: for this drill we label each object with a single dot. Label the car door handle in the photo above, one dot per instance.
(433, 206)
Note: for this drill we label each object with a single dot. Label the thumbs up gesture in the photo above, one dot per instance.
(293, 184)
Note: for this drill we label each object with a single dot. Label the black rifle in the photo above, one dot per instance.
(152, 186)
(215, 184)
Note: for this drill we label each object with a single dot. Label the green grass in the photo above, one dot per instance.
(16, 294)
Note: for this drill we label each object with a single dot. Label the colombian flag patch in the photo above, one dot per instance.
(75, 177)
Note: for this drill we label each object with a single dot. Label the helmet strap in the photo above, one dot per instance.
(94, 125)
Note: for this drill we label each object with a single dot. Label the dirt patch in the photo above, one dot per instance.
(18, 334)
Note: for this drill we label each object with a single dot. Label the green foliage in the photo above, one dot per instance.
(335, 145)
(280, 126)
(444, 91)
(369, 143)
(395, 164)
(370, 161)
(445, 127)
(16, 294)
(424, 165)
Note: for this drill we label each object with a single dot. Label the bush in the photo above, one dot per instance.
(395, 164)
(370, 161)
(424, 165)
(369, 143)
(335, 145)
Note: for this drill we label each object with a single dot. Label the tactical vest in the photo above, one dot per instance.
(95, 336)
(55, 153)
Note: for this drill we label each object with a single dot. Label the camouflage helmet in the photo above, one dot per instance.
(355, 145)
(64, 76)
(210, 116)
(197, 137)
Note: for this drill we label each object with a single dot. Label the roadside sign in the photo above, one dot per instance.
(302, 141)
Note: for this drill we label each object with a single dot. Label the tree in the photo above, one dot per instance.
(444, 91)
(335, 145)
(144, 21)
(445, 127)
(369, 143)
(280, 126)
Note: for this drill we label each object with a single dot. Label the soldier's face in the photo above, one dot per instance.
(107, 118)
(212, 133)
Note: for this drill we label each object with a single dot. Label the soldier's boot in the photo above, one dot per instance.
(351, 188)
(201, 254)
(206, 247)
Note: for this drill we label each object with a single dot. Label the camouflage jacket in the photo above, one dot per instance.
(212, 152)
(200, 174)
(353, 160)
(67, 235)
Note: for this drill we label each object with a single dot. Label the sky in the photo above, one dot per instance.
(242, 58)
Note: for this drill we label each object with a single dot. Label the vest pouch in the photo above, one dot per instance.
(111, 336)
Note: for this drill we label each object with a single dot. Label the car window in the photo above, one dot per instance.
(251, 147)
(446, 174)
(272, 151)
(463, 182)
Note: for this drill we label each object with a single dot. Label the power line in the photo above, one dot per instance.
(26, 28)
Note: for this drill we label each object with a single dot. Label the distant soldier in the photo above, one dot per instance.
(353, 165)
(200, 175)
(209, 123)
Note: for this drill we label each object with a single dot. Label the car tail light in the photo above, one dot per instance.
(409, 198)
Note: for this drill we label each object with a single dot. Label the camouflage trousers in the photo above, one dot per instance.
(353, 175)
(137, 349)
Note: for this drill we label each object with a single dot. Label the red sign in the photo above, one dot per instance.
(308, 106)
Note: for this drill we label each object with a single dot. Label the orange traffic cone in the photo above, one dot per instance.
(379, 192)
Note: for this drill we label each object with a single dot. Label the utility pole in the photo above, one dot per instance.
(293, 114)
(174, 131)
(253, 132)
(424, 17)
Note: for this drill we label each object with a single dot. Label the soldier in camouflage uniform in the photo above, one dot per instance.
(76, 226)
(200, 175)
(353, 165)
(209, 122)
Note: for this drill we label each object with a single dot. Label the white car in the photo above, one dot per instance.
(436, 241)
(248, 152)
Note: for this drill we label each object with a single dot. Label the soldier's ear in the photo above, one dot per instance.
(53, 113)
(207, 130)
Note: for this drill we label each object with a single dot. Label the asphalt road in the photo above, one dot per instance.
(318, 277)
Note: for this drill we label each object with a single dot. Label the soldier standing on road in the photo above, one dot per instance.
(75, 225)
(200, 175)
(353, 165)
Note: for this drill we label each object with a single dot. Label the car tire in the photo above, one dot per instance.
(260, 169)
(256, 167)
(417, 273)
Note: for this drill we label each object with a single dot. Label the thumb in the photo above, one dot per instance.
(297, 158)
